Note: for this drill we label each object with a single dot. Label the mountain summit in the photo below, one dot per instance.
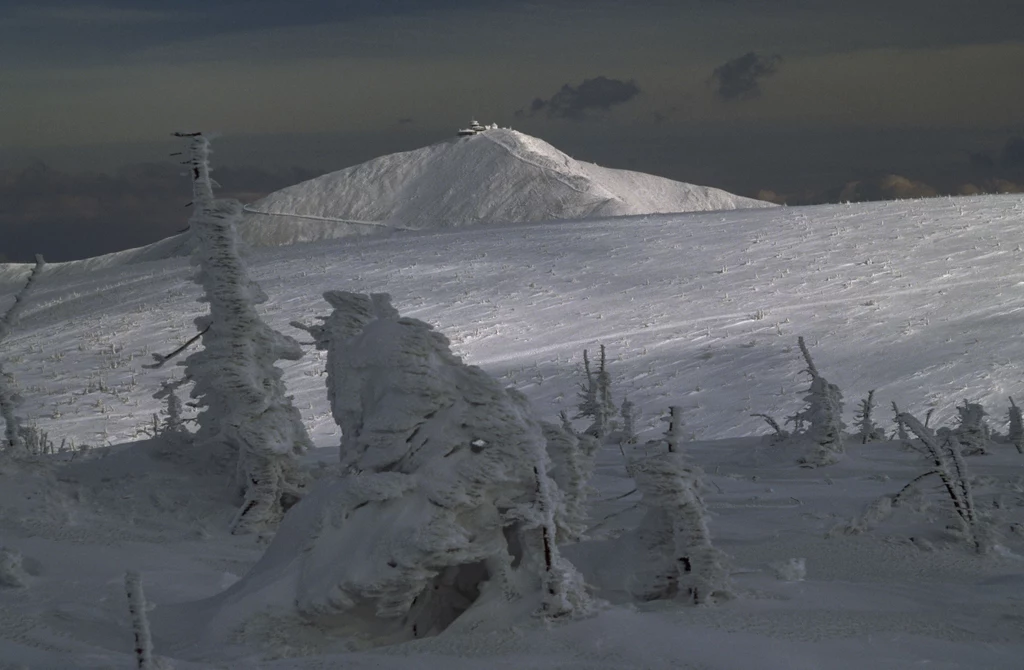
(496, 175)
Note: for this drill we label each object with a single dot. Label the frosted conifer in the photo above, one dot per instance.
(972, 432)
(681, 561)
(628, 413)
(822, 415)
(674, 432)
(1016, 434)
(442, 460)
(173, 423)
(867, 430)
(235, 376)
(596, 397)
(572, 467)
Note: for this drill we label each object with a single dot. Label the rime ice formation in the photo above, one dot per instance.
(236, 377)
(445, 497)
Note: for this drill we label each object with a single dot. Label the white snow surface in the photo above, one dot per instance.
(920, 300)
(495, 176)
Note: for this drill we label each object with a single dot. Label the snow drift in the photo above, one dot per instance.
(495, 176)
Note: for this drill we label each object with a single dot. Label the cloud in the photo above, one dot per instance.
(1012, 156)
(574, 102)
(66, 216)
(740, 78)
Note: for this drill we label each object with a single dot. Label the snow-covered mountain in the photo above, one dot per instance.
(495, 176)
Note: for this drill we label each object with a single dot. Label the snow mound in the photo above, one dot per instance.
(495, 176)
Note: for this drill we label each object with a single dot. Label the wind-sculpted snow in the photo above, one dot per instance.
(443, 495)
(495, 176)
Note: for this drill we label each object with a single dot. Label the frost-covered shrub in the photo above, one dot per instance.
(791, 570)
(867, 430)
(236, 379)
(821, 421)
(446, 504)
(596, 397)
(1016, 432)
(680, 561)
(12, 574)
(972, 431)
(629, 414)
(572, 459)
(173, 424)
(778, 435)
(944, 452)
(9, 399)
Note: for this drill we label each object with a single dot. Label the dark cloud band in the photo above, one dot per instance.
(740, 78)
(574, 102)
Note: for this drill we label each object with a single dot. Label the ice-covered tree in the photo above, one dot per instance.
(972, 431)
(173, 423)
(867, 430)
(679, 561)
(9, 399)
(820, 421)
(235, 376)
(445, 504)
(628, 412)
(674, 430)
(144, 657)
(1016, 432)
(572, 459)
(198, 162)
(596, 397)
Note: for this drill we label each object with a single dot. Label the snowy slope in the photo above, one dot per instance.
(917, 299)
(496, 176)
(921, 300)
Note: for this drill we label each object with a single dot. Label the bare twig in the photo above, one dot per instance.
(161, 359)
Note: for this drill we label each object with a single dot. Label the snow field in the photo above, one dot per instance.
(918, 300)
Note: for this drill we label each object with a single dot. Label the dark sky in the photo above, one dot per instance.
(800, 97)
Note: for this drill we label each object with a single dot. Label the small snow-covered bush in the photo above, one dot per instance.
(972, 431)
(949, 466)
(12, 574)
(792, 570)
